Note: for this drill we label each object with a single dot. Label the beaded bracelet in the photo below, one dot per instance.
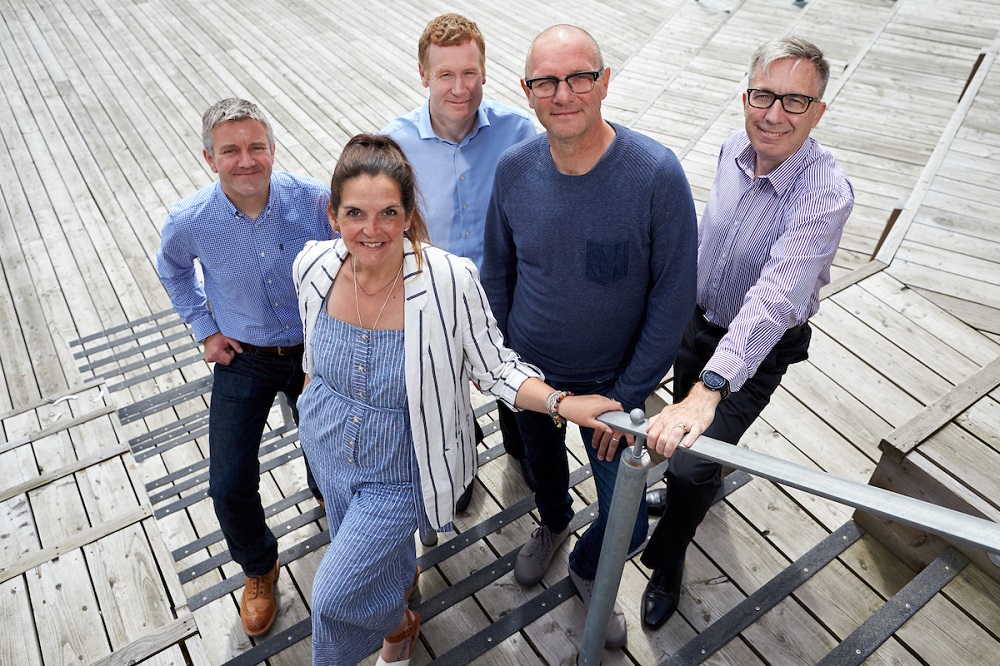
(552, 405)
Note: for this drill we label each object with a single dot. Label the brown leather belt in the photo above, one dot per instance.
(295, 350)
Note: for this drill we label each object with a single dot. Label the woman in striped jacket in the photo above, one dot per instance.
(395, 330)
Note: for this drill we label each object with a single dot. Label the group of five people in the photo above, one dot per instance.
(562, 272)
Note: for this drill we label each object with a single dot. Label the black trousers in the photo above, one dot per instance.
(692, 482)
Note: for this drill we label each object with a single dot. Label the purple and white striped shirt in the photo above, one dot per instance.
(765, 246)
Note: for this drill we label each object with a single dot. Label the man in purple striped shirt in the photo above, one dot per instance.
(766, 241)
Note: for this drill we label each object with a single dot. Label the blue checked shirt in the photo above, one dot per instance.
(765, 247)
(248, 292)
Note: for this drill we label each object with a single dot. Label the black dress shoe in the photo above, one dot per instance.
(656, 501)
(463, 501)
(663, 591)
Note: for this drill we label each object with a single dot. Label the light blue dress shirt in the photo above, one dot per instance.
(455, 180)
(247, 263)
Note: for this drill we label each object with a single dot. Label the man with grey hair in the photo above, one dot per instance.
(768, 237)
(589, 266)
(245, 230)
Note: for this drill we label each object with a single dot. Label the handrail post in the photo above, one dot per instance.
(630, 484)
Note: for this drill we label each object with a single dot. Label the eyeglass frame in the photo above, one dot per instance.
(531, 82)
(779, 98)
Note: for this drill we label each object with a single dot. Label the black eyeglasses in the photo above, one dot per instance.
(763, 99)
(579, 83)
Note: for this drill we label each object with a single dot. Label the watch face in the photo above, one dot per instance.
(713, 380)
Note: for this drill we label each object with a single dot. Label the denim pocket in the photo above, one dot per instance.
(607, 262)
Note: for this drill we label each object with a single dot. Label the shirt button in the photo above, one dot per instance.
(262, 254)
(462, 178)
(350, 460)
(459, 150)
(467, 234)
(275, 305)
(350, 442)
(355, 419)
(361, 368)
(270, 281)
(465, 206)
(361, 394)
(364, 337)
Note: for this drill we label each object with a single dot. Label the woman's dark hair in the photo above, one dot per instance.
(378, 155)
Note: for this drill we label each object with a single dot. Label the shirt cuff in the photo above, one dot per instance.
(204, 327)
(730, 366)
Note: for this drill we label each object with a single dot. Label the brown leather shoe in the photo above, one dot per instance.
(258, 607)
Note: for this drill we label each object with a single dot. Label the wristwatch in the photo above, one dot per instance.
(715, 382)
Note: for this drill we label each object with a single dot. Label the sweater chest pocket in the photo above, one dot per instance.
(607, 262)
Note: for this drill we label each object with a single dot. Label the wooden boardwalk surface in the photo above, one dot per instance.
(108, 551)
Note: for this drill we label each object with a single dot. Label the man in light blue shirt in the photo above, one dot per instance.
(453, 142)
(245, 230)
(455, 138)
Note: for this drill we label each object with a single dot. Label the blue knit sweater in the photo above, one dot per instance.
(592, 277)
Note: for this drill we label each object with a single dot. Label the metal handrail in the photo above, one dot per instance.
(948, 523)
(910, 511)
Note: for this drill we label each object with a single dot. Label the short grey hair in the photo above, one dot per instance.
(794, 48)
(228, 110)
(566, 29)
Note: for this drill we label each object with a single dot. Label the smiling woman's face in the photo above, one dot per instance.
(371, 219)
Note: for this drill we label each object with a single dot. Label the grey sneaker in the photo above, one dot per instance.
(617, 629)
(535, 555)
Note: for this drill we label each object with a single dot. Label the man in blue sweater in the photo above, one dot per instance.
(589, 266)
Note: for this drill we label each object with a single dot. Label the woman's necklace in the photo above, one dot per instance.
(393, 281)
(357, 302)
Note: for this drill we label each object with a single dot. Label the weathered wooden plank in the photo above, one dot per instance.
(8, 571)
(126, 580)
(898, 233)
(937, 414)
(20, 639)
(151, 644)
(54, 475)
(949, 329)
(66, 612)
(891, 360)
(45, 432)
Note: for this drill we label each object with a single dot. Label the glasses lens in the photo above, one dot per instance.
(795, 103)
(544, 87)
(761, 99)
(581, 83)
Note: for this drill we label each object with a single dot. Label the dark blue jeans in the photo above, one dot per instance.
(545, 453)
(693, 482)
(242, 395)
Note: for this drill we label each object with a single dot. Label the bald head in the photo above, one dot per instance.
(560, 35)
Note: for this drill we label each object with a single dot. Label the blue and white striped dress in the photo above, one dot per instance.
(355, 429)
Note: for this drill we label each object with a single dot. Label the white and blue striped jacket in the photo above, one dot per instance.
(450, 338)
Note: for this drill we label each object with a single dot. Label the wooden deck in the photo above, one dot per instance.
(108, 551)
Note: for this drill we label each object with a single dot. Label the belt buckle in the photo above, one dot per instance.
(281, 351)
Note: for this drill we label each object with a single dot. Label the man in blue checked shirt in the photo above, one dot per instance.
(767, 239)
(245, 230)
(453, 140)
